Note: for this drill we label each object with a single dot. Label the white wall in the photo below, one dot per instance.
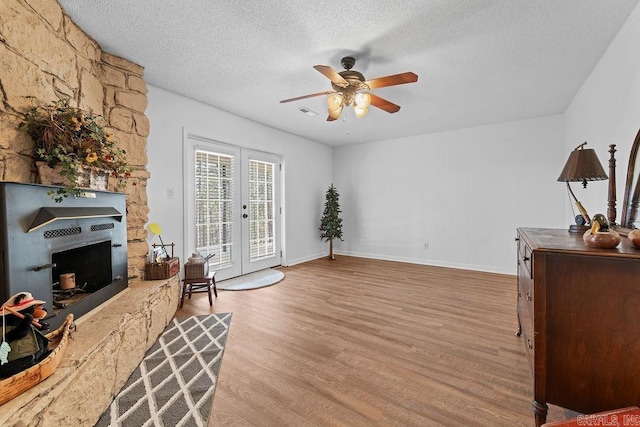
(307, 165)
(462, 192)
(606, 111)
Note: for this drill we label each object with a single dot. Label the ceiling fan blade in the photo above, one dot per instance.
(396, 79)
(331, 74)
(383, 104)
(307, 96)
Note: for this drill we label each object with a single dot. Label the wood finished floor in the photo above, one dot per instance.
(360, 342)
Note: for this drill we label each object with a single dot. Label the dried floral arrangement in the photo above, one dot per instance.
(74, 140)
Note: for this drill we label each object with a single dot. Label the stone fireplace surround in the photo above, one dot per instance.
(45, 56)
(108, 345)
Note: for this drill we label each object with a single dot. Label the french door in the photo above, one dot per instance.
(232, 207)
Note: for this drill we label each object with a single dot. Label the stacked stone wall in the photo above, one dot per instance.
(44, 57)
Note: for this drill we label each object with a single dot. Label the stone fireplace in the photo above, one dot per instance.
(42, 242)
(117, 319)
(45, 56)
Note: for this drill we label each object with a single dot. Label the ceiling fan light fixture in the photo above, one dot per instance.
(334, 101)
(360, 111)
(351, 89)
(363, 100)
(334, 113)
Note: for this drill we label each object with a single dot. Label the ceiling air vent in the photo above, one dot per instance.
(308, 112)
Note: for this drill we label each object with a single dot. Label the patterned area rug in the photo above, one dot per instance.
(259, 279)
(174, 384)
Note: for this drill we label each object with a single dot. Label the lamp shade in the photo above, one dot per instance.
(362, 99)
(334, 103)
(582, 165)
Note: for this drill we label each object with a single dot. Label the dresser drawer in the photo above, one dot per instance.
(525, 300)
(525, 257)
(526, 313)
(529, 346)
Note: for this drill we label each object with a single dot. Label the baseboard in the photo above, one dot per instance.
(289, 263)
(434, 263)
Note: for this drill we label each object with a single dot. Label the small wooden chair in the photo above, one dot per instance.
(202, 284)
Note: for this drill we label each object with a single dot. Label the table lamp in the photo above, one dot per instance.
(582, 166)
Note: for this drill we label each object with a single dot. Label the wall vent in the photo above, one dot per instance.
(62, 232)
(100, 227)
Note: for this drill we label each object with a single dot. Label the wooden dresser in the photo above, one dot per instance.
(579, 317)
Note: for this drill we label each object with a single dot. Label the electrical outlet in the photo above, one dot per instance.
(426, 245)
(170, 193)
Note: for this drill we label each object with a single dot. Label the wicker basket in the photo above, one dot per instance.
(196, 270)
(162, 270)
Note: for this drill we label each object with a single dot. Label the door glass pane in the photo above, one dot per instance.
(261, 214)
(213, 207)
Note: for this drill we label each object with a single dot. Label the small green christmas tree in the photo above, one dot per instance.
(331, 223)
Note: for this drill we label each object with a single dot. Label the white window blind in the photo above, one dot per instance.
(213, 206)
(262, 210)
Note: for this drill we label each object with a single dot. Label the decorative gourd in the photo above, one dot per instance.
(634, 237)
(600, 235)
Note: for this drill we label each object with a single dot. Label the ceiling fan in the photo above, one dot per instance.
(351, 89)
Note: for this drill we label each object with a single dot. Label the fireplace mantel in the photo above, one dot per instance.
(46, 216)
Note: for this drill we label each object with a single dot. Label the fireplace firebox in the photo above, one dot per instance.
(73, 254)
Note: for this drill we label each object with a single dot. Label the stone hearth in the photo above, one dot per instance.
(108, 345)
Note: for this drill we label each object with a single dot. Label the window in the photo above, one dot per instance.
(213, 206)
(262, 210)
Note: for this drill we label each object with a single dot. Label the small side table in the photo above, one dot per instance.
(202, 284)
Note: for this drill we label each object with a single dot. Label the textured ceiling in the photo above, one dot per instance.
(478, 61)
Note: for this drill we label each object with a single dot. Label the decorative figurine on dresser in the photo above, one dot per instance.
(578, 311)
